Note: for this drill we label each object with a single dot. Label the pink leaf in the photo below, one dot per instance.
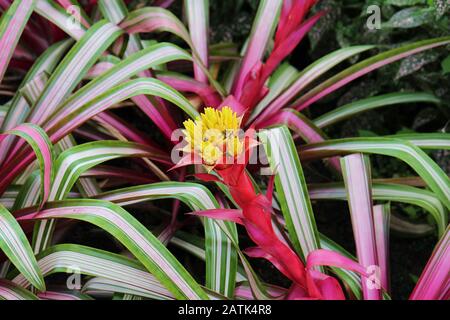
(235, 105)
(434, 282)
(233, 215)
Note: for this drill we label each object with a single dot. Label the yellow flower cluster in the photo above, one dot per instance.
(214, 134)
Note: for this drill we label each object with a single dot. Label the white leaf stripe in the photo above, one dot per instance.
(11, 291)
(98, 286)
(389, 192)
(12, 23)
(430, 172)
(148, 86)
(371, 103)
(311, 73)
(142, 243)
(426, 140)
(197, 12)
(54, 13)
(15, 245)
(280, 80)
(29, 192)
(291, 189)
(45, 63)
(357, 178)
(76, 160)
(42, 147)
(195, 246)
(113, 10)
(69, 258)
(73, 68)
(142, 60)
(381, 221)
(220, 256)
(357, 70)
(263, 28)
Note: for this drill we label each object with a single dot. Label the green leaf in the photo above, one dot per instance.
(363, 105)
(446, 65)
(11, 291)
(221, 260)
(72, 258)
(410, 18)
(425, 167)
(12, 23)
(291, 189)
(389, 192)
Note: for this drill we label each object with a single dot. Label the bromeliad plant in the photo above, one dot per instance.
(80, 64)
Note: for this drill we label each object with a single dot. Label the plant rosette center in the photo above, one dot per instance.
(216, 137)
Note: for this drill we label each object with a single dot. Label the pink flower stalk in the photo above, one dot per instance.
(255, 212)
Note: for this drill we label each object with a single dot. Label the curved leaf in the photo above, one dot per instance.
(425, 167)
(132, 234)
(15, 245)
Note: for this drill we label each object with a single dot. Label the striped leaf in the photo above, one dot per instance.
(133, 235)
(425, 167)
(66, 123)
(262, 31)
(434, 282)
(147, 58)
(364, 67)
(280, 80)
(49, 10)
(29, 93)
(221, 257)
(154, 19)
(426, 140)
(291, 189)
(84, 260)
(363, 105)
(12, 23)
(15, 245)
(73, 162)
(73, 68)
(10, 195)
(302, 127)
(351, 279)
(104, 286)
(187, 84)
(42, 147)
(381, 221)
(151, 19)
(58, 295)
(389, 192)
(196, 246)
(308, 75)
(197, 13)
(46, 62)
(357, 178)
(10, 291)
(115, 11)
(3, 111)
(29, 192)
